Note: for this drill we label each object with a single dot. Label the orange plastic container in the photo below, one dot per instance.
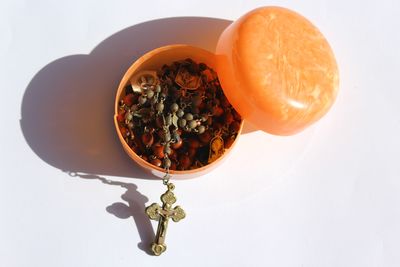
(154, 60)
(275, 67)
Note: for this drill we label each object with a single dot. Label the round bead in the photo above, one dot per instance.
(182, 123)
(184, 161)
(167, 163)
(177, 144)
(147, 139)
(192, 124)
(174, 107)
(188, 116)
(128, 100)
(158, 150)
(201, 129)
(128, 116)
(180, 113)
(156, 162)
(167, 150)
(160, 107)
(150, 94)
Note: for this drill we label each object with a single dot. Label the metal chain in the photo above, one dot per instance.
(166, 177)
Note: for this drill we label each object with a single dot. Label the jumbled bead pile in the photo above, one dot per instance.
(177, 118)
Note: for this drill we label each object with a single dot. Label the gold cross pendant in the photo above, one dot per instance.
(162, 215)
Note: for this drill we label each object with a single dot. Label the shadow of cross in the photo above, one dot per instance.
(133, 208)
(162, 215)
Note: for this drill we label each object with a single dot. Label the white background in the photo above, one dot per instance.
(328, 196)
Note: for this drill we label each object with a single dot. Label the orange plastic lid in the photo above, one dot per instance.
(277, 70)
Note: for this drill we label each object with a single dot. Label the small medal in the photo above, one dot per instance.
(216, 148)
(186, 80)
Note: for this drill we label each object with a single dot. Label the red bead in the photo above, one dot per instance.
(184, 161)
(121, 116)
(124, 131)
(218, 111)
(158, 150)
(177, 145)
(228, 118)
(173, 165)
(128, 100)
(147, 139)
(156, 162)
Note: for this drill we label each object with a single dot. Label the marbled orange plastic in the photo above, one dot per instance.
(277, 70)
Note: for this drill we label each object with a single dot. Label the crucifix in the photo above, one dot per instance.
(162, 215)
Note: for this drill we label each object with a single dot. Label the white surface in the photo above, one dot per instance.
(326, 197)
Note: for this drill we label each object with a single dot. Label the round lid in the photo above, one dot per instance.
(277, 70)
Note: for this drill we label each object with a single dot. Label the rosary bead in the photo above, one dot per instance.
(167, 150)
(201, 129)
(192, 124)
(121, 116)
(147, 139)
(182, 123)
(184, 161)
(166, 163)
(174, 107)
(166, 136)
(180, 113)
(124, 131)
(177, 144)
(188, 116)
(128, 116)
(160, 107)
(128, 100)
(150, 94)
(156, 162)
(228, 118)
(158, 150)
(173, 165)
